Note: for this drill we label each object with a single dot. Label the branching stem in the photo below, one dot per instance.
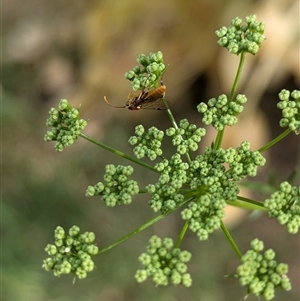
(117, 152)
(220, 134)
(275, 140)
(231, 241)
(140, 229)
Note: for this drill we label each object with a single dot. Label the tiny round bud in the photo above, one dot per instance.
(88, 265)
(155, 241)
(130, 75)
(186, 280)
(48, 264)
(74, 231)
(140, 275)
(257, 245)
(81, 273)
(90, 191)
(63, 104)
(51, 249)
(202, 107)
(59, 233)
(221, 32)
(269, 254)
(168, 242)
(282, 268)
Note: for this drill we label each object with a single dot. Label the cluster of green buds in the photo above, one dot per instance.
(213, 178)
(66, 125)
(186, 137)
(164, 263)
(290, 106)
(242, 161)
(217, 170)
(148, 73)
(204, 216)
(71, 253)
(261, 273)
(284, 205)
(220, 112)
(117, 189)
(165, 192)
(148, 143)
(242, 37)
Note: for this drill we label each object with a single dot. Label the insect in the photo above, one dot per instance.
(146, 99)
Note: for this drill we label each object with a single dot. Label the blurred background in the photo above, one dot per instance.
(80, 50)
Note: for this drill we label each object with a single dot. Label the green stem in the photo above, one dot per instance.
(116, 152)
(181, 234)
(219, 139)
(275, 140)
(169, 112)
(246, 203)
(135, 231)
(237, 77)
(140, 228)
(184, 228)
(173, 121)
(259, 187)
(220, 134)
(231, 241)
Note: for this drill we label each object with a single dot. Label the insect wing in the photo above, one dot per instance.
(152, 100)
(153, 105)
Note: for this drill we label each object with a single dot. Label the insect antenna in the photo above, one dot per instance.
(122, 107)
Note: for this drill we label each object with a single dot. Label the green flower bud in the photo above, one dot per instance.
(90, 191)
(142, 59)
(285, 283)
(170, 132)
(155, 241)
(51, 249)
(186, 280)
(59, 233)
(48, 264)
(236, 22)
(269, 293)
(88, 265)
(130, 75)
(282, 269)
(64, 104)
(257, 245)
(88, 237)
(159, 56)
(81, 273)
(140, 275)
(221, 32)
(168, 242)
(65, 267)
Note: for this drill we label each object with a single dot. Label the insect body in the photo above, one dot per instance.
(146, 99)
